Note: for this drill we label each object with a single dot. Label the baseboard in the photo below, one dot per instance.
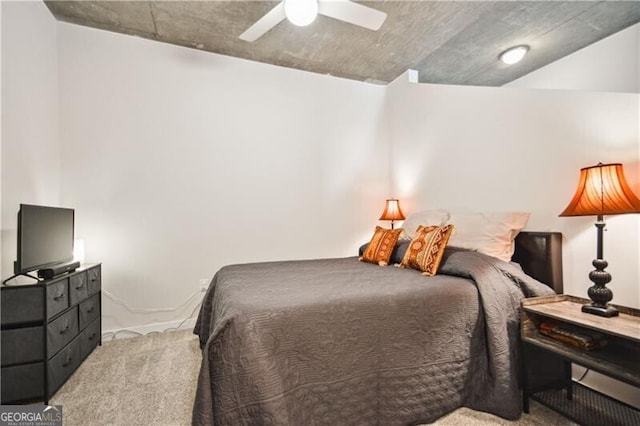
(120, 333)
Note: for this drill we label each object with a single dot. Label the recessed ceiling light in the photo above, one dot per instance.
(514, 55)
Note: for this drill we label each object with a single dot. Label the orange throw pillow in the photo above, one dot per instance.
(426, 249)
(381, 246)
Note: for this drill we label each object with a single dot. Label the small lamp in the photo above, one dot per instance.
(78, 251)
(392, 211)
(602, 190)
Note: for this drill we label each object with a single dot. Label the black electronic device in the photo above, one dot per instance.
(45, 240)
(62, 268)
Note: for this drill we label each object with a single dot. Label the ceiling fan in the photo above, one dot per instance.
(304, 12)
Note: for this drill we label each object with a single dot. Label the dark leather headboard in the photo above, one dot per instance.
(540, 256)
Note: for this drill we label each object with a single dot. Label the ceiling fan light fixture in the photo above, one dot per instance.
(514, 54)
(301, 12)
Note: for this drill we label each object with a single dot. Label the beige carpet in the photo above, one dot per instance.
(151, 380)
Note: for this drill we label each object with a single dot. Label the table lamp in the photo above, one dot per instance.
(392, 211)
(602, 190)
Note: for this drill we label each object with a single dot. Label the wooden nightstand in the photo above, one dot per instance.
(546, 362)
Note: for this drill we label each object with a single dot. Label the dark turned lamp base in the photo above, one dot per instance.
(598, 292)
(606, 311)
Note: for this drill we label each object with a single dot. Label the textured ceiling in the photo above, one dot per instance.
(448, 42)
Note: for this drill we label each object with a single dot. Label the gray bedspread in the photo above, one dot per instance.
(340, 342)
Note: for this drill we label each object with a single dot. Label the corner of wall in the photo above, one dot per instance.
(30, 163)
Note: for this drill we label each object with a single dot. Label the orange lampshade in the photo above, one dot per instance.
(392, 210)
(602, 190)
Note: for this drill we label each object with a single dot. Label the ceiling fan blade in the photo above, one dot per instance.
(352, 13)
(264, 24)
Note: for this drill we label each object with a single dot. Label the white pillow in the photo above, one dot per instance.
(437, 217)
(489, 233)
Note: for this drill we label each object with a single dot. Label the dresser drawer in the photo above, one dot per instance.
(22, 382)
(61, 331)
(78, 288)
(89, 338)
(95, 278)
(21, 304)
(89, 310)
(57, 297)
(22, 345)
(61, 366)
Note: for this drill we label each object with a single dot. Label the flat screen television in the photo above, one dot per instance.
(45, 237)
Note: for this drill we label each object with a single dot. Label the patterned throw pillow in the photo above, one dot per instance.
(381, 246)
(426, 249)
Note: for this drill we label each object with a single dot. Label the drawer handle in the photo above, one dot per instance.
(67, 362)
(94, 279)
(65, 329)
(91, 309)
(60, 296)
(93, 336)
(78, 287)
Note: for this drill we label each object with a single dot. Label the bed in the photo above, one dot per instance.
(338, 341)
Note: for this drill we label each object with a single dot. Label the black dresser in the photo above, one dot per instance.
(48, 329)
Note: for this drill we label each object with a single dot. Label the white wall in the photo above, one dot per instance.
(30, 147)
(491, 149)
(179, 162)
(610, 65)
(495, 149)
